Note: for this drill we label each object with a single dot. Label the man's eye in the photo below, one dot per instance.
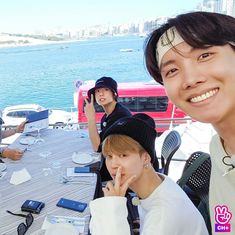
(205, 56)
(108, 156)
(170, 72)
(123, 155)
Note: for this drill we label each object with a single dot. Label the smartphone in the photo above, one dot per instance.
(32, 206)
(72, 205)
(83, 169)
(94, 166)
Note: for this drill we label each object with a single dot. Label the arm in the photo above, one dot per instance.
(109, 216)
(8, 133)
(11, 132)
(92, 128)
(13, 154)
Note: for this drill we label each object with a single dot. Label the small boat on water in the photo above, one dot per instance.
(126, 50)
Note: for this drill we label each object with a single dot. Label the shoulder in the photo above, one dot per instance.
(216, 150)
(120, 108)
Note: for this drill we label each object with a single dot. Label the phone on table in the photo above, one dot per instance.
(32, 206)
(82, 169)
(72, 205)
(95, 166)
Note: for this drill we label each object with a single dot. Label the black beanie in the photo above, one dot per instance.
(138, 130)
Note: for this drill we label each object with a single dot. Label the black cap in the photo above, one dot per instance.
(137, 129)
(106, 82)
(146, 118)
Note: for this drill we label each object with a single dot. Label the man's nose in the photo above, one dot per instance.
(115, 163)
(192, 76)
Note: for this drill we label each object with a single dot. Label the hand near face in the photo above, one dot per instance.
(117, 189)
(89, 108)
(13, 154)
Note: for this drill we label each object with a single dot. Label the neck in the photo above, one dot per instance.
(147, 183)
(108, 108)
(230, 151)
(226, 131)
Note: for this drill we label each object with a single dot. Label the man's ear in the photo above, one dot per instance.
(115, 96)
(147, 158)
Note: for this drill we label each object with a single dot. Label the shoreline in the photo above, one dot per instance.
(7, 41)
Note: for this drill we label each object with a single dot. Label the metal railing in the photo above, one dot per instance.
(167, 123)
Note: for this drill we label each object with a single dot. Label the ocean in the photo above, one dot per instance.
(46, 74)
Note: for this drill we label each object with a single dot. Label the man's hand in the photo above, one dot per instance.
(20, 128)
(13, 154)
(89, 108)
(116, 189)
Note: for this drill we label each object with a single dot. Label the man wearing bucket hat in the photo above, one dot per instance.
(104, 93)
(129, 150)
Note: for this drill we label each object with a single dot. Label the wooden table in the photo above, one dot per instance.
(49, 189)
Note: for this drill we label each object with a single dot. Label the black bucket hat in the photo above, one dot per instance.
(102, 82)
(138, 129)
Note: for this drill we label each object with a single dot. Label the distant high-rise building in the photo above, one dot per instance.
(230, 7)
(213, 5)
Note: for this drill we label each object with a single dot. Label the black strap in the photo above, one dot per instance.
(21, 215)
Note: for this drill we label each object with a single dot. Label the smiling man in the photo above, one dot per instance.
(193, 56)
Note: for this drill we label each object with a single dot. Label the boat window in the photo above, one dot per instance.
(145, 104)
(140, 104)
(20, 114)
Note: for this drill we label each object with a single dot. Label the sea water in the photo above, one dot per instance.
(46, 74)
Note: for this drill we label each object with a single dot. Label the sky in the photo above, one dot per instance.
(25, 16)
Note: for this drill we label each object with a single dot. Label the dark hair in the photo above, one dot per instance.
(198, 29)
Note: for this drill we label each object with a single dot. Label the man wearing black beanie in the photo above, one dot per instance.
(129, 150)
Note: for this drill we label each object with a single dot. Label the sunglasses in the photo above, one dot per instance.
(23, 227)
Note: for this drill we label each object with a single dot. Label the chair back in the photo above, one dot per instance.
(170, 145)
(195, 182)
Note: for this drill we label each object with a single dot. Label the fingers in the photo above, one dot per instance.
(92, 99)
(14, 154)
(115, 188)
(20, 128)
(109, 190)
(19, 151)
(105, 191)
(117, 179)
(17, 154)
(128, 182)
(109, 185)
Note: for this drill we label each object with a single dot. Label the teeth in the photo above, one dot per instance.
(203, 96)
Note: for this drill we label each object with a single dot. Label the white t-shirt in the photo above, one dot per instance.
(167, 211)
(222, 188)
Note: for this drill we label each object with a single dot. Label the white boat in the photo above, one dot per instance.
(126, 50)
(14, 115)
